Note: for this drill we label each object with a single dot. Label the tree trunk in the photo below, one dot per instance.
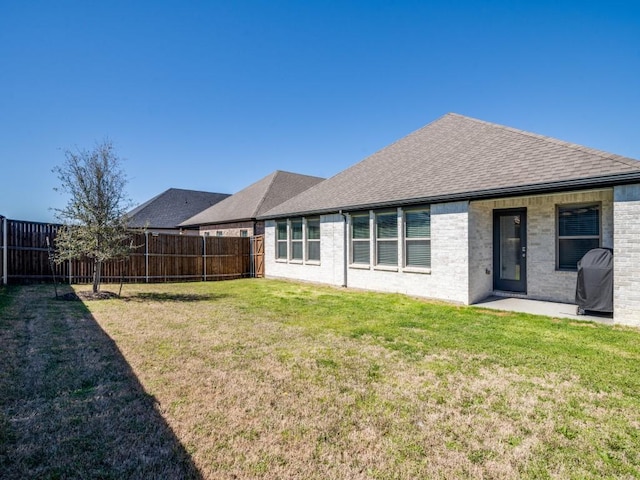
(97, 272)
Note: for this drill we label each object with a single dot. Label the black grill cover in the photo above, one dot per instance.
(594, 289)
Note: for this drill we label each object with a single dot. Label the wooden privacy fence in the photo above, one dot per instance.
(157, 258)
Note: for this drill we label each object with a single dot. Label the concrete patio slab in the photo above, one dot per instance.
(538, 307)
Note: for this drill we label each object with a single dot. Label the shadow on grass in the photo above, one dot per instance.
(172, 297)
(70, 404)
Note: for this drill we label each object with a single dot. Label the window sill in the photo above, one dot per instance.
(385, 268)
(295, 262)
(416, 270)
(281, 260)
(313, 263)
(360, 266)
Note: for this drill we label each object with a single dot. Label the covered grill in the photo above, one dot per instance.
(594, 289)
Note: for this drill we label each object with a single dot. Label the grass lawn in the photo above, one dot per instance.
(277, 380)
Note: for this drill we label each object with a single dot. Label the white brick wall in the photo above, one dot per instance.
(448, 277)
(447, 280)
(480, 250)
(331, 267)
(462, 252)
(626, 255)
(544, 282)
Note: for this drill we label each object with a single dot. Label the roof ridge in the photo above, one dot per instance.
(295, 174)
(574, 146)
(442, 157)
(441, 117)
(192, 190)
(266, 192)
(144, 205)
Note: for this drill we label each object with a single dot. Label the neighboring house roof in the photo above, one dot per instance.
(461, 158)
(172, 207)
(256, 199)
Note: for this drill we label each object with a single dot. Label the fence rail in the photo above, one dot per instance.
(27, 247)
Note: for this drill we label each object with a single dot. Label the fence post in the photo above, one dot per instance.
(70, 272)
(252, 257)
(5, 247)
(146, 257)
(204, 258)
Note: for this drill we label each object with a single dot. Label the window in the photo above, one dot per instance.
(296, 239)
(417, 238)
(360, 239)
(412, 242)
(313, 239)
(387, 239)
(244, 233)
(578, 232)
(281, 240)
(218, 233)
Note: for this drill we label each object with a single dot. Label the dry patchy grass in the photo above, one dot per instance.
(275, 380)
(70, 407)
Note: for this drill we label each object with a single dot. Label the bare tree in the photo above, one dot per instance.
(95, 221)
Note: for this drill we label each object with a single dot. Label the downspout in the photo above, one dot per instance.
(344, 249)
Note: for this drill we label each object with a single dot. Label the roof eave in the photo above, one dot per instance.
(217, 222)
(538, 188)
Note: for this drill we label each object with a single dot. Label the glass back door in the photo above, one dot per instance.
(510, 250)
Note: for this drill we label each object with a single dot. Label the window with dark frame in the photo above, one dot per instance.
(578, 231)
(296, 239)
(313, 239)
(281, 240)
(387, 239)
(417, 238)
(360, 239)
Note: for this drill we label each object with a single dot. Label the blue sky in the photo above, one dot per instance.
(214, 95)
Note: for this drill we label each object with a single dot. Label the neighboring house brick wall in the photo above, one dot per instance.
(544, 282)
(233, 229)
(626, 255)
(330, 270)
(171, 231)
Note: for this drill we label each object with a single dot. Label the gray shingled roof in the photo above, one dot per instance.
(457, 157)
(172, 207)
(256, 199)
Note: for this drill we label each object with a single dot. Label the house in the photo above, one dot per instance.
(237, 215)
(461, 210)
(165, 212)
